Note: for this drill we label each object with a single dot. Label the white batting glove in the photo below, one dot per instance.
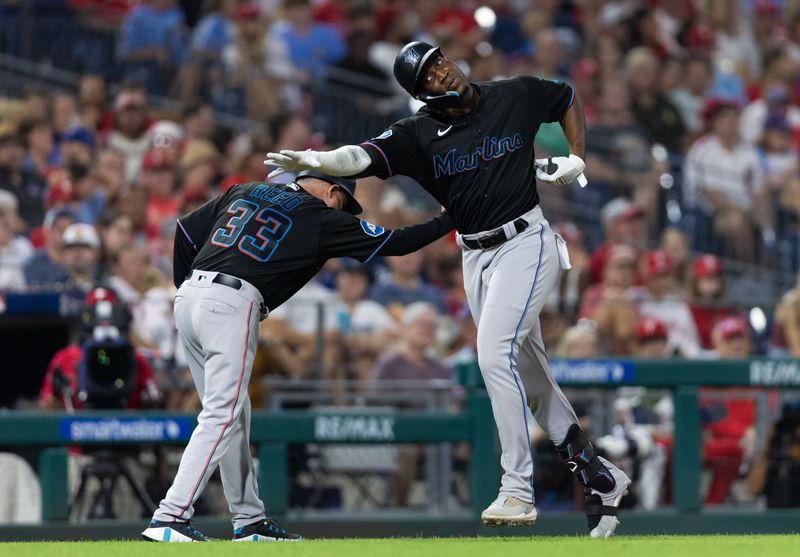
(561, 170)
(291, 161)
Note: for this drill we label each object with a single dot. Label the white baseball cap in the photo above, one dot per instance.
(80, 234)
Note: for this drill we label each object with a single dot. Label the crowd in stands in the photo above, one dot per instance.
(692, 159)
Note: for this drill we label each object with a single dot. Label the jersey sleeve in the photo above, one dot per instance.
(343, 235)
(549, 99)
(395, 151)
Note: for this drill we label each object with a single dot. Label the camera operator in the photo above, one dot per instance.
(73, 380)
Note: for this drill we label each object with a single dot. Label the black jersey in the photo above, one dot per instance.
(278, 236)
(478, 166)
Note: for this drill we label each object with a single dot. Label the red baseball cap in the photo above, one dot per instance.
(156, 159)
(706, 265)
(729, 327)
(59, 192)
(100, 295)
(714, 106)
(657, 262)
(650, 328)
(248, 10)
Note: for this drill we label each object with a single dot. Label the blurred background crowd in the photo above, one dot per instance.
(118, 116)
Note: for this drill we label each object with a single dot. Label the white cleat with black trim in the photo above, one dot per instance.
(509, 511)
(601, 508)
(172, 532)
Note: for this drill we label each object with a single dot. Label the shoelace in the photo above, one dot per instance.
(274, 528)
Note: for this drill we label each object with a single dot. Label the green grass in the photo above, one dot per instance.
(654, 546)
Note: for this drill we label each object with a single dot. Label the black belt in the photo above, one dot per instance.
(494, 239)
(227, 280)
(231, 282)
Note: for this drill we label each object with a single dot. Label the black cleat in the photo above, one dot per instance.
(264, 531)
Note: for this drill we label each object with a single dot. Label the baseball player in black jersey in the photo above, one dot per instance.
(471, 147)
(238, 257)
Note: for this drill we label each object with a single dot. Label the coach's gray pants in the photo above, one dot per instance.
(506, 289)
(218, 327)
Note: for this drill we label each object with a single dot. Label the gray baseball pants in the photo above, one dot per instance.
(218, 327)
(506, 288)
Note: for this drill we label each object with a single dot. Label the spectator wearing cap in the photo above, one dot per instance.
(707, 296)
(45, 269)
(129, 136)
(14, 250)
(723, 181)
(660, 298)
(77, 146)
(622, 225)
(366, 327)
(27, 187)
(727, 422)
(151, 43)
(608, 303)
(158, 180)
(651, 339)
(81, 257)
(167, 136)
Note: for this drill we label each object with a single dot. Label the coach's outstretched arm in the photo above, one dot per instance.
(350, 160)
(411, 238)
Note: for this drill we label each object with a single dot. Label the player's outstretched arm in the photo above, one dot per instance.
(411, 238)
(349, 160)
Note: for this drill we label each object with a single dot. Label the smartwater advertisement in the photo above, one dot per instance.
(592, 371)
(125, 429)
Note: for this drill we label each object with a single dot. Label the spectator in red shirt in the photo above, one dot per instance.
(158, 179)
(728, 422)
(707, 296)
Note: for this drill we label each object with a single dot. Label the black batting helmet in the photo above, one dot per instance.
(409, 63)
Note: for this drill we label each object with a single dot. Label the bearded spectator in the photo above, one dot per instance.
(129, 136)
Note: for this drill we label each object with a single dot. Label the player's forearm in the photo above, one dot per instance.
(574, 125)
(349, 160)
(412, 238)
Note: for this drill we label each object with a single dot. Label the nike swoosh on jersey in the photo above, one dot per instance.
(440, 133)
